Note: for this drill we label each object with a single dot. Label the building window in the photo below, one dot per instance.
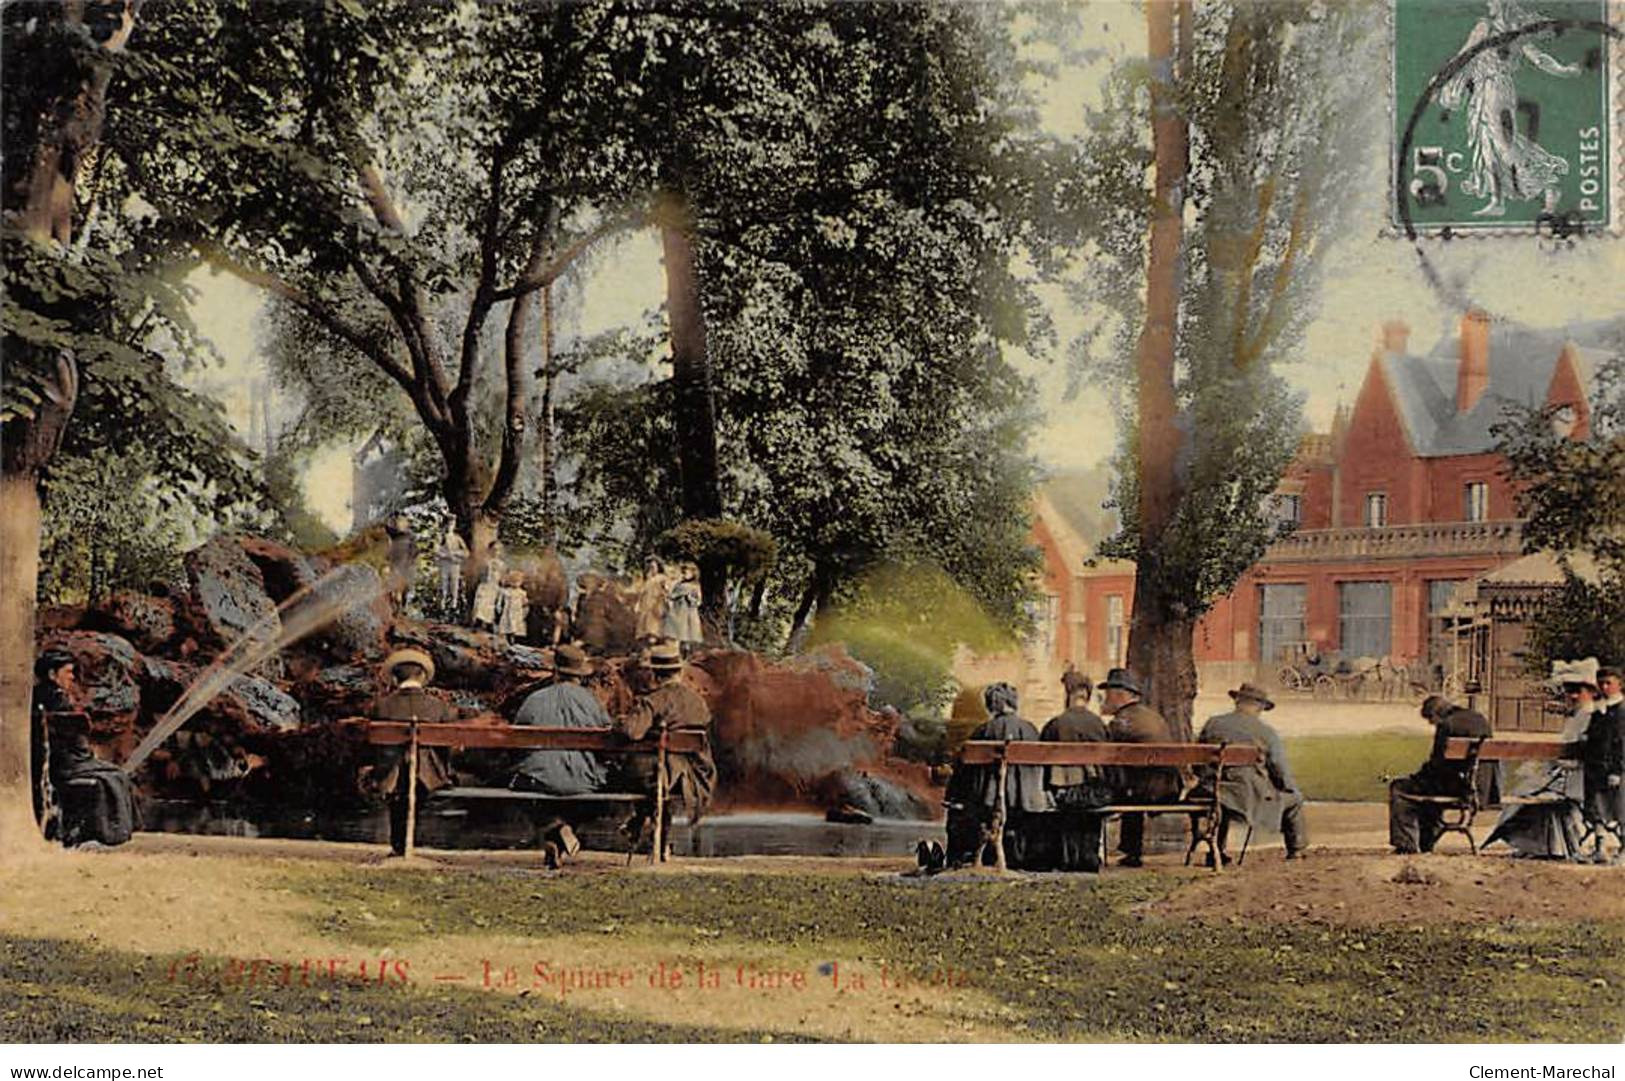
(1478, 501)
(1365, 612)
(1281, 609)
(1114, 630)
(1376, 510)
(1287, 508)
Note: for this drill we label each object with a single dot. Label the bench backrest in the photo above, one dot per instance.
(528, 738)
(1511, 750)
(1043, 753)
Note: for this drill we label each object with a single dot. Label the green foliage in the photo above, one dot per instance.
(905, 621)
(747, 554)
(1279, 129)
(1572, 493)
(107, 526)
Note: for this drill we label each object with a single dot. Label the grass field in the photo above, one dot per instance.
(1351, 767)
(1025, 958)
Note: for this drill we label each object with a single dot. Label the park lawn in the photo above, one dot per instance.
(1351, 767)
(1038, 957)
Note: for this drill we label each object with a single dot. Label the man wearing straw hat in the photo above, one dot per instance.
(1264, 796)
(411, 670)
(671, 705)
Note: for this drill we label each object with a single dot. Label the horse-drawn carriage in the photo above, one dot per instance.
(1328, 675)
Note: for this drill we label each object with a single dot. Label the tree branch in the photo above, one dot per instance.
(513, 427)
(219, 259)
(547, 273)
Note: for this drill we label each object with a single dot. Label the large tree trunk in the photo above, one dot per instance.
(694, 397)
(69, 121)
(19, 577)
(1164, 663)
(544, 438)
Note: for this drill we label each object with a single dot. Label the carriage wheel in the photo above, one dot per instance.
(1325, 687)
(1290, 679)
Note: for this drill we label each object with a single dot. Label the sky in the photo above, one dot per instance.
(1372, 276)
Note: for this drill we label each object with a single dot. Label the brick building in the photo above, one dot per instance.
(1402, 502)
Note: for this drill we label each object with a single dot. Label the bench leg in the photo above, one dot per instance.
(998, 821)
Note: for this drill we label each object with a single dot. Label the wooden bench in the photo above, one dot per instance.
(480, 733)
(1201, 804)
(1477, 752)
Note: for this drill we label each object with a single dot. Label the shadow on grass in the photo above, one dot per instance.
(1066, 957)
(62, 992)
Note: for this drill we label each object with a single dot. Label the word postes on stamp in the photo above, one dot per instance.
(1501, 118)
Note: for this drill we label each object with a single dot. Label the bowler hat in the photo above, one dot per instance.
(410, 656)
(1255, 692)
(665, 656)
(1122, 679)
(571, 660)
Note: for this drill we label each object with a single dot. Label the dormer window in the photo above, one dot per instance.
(1376, 510)
(1287, 508)
(1564, 418)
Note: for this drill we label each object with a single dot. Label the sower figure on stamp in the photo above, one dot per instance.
(411, 670)
(1263, 796)
(1076, 789)
(1414, 827)
(670, 706)
(563, 704)
(1134, 722)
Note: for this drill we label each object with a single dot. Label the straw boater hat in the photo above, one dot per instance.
(410, 656)
(571, 660)
(1253, 691)
(665, 657)
(1581, 672)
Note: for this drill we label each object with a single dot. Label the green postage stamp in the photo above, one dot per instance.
(1502, 116)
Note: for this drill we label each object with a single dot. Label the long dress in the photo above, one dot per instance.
(1505, 164)
(682, 621)
(511, 609)
(1546, 830)
(489, 592)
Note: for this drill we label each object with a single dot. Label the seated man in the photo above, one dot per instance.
(565, 703)
(1415, 827)
(672, 705)
(412, 671)
(1075, 789)
(1134, 722)
(1264, 796)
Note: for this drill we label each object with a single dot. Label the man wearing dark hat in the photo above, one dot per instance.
(565, 703)
(411, 670)
(1132, 721)
(1603, 761)
(670, 705)
(1264, 796)
(1414, 827)
(1075, 789)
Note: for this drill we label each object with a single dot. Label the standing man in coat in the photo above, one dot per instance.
(671, 705)
(1414, 827)
(1132, 721)
(1264, 796)
(411, 670)
(1076, 789)
(1604, 762)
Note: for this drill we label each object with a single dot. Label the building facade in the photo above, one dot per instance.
(1403, 502)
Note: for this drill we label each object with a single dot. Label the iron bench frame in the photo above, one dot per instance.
(472, 733)
(1194, 800)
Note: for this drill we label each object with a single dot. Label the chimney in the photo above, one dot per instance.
(1395, 334)
(1473, 369)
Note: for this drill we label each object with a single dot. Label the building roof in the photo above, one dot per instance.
(1521, 365)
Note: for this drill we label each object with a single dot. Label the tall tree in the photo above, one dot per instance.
(436, 163)
(58, 61)
(1260, 134)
